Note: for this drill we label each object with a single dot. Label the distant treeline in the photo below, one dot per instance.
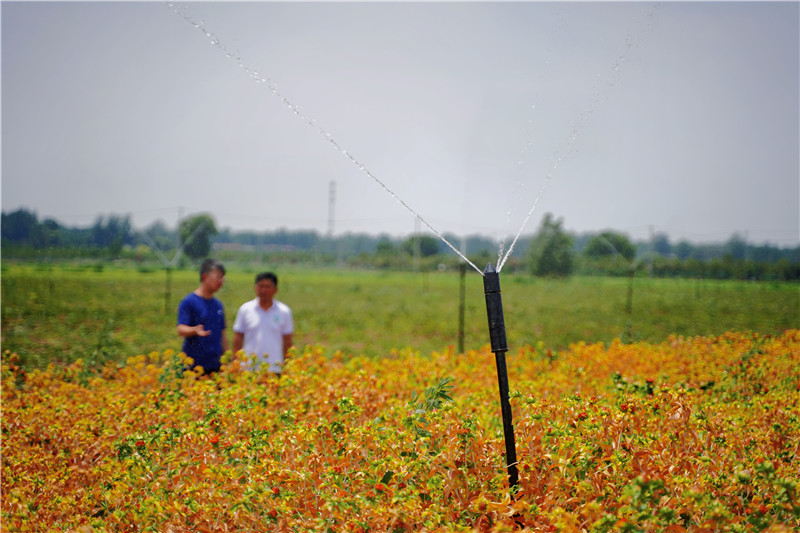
(25, 237)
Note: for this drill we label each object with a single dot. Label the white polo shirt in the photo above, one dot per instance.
(264, 330)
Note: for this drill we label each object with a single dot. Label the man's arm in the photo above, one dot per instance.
(238, 342)
(287, 343)
(191, 331)
(224, 341)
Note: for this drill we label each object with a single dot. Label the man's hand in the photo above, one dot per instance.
(191, 331)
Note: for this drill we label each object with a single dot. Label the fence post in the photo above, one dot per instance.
(461, 308)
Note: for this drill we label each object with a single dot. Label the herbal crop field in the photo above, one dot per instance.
(638, 405)
(687, 434)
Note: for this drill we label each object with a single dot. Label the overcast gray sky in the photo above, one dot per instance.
(682, 117)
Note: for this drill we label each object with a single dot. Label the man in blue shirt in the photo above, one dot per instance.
(201, 319)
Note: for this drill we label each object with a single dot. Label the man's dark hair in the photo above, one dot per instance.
(267, 275)
(209, 265)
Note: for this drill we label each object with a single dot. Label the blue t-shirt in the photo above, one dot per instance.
(194, 310)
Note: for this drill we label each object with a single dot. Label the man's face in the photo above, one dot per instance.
(214, 280)
(265, 290)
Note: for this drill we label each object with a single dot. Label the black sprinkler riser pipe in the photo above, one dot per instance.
(497, 335)
(494, 309)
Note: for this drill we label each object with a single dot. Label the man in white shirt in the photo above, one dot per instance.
(263, 327)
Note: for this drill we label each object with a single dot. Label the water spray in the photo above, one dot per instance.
(497, 337)
(595, 102)
(297, 111)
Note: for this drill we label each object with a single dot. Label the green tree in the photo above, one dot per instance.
(385, 247)
(111, 233)
(428, 245)
(551, 250)
(661, 244)
(683, 250)
(736, 247)
(195, 234)
(159, 236)
(51, 232)
(21, 226)
(610, 243)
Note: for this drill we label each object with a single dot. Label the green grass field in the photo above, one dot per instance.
(63, 313)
